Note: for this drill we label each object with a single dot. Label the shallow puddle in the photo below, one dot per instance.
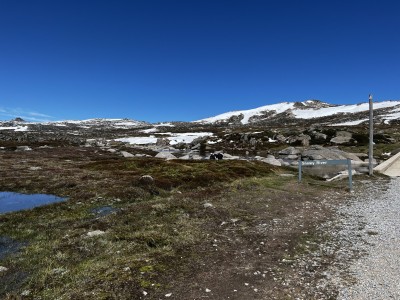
(10, 201)
(103, 211)
(9, 246)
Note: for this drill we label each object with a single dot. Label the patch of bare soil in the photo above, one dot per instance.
(259, 250)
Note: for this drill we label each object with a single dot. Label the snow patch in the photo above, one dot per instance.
(350, 123)
(174, 138)
(15, 128)
(390, 117)
(150, 130)
(329, 111)
(141, 140)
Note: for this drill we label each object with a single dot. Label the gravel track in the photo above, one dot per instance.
(368, 264)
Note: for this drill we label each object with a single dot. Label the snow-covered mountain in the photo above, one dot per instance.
(21, 125)
(280, 114)
(319, 111)
(116, 123)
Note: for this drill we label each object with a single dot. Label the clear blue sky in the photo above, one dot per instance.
(166, 60)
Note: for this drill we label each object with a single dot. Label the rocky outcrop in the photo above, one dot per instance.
(316, 152)
(342, 137)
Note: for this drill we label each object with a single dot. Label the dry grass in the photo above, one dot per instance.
(158, 238)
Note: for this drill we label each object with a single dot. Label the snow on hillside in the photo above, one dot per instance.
(329, 111)
(350, 123)
(247, 114)
(15, 128)
(116, 123)
(174, 138)
(306, 112)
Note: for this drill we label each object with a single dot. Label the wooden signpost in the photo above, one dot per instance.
(326, 163)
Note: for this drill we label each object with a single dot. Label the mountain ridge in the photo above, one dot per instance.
(308, 111)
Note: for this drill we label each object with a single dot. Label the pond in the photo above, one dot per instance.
(10, 201)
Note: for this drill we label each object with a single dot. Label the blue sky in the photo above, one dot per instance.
(170, 60)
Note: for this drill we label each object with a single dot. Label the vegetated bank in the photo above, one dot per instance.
(190, 229)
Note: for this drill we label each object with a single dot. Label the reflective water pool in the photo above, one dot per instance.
(10, 201)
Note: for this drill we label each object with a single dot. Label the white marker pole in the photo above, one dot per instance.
(371, 135)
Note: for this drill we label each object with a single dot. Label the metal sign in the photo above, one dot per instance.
(326, 163)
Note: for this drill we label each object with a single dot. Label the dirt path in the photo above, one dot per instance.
(370, 237)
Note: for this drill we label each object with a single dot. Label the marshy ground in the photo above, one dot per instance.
(201, 230)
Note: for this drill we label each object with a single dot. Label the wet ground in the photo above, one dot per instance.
(10, 201)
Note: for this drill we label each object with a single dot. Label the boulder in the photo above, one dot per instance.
(146, 179)
(165, 155)
(280, 138)
(271, 160)
(342, 137)
(127, 154)
(304, 139)
(290, 151)
(284, 163)
(318, 152)
(191, 156)
(228, 156)
(319, 136)
(199, 140)
(162, 142)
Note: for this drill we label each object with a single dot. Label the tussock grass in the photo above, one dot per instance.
(157, 238)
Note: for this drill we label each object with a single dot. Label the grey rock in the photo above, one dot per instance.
(191, 156)
(271, 160)
(228, 156)
(290, 151)
(208, 205)
(23, 148)
(316, 153)
(253, 142)
(3, 269)
(95, 233)
(165, 155)
(342, 137)
(127, 154)
(319, 135)
(146, 179)
(292, 156)
(196, 147)
(162, 142)
(304, 139)
(280, 138)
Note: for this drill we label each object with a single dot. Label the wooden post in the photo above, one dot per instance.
(300, 170)
(371, 135)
